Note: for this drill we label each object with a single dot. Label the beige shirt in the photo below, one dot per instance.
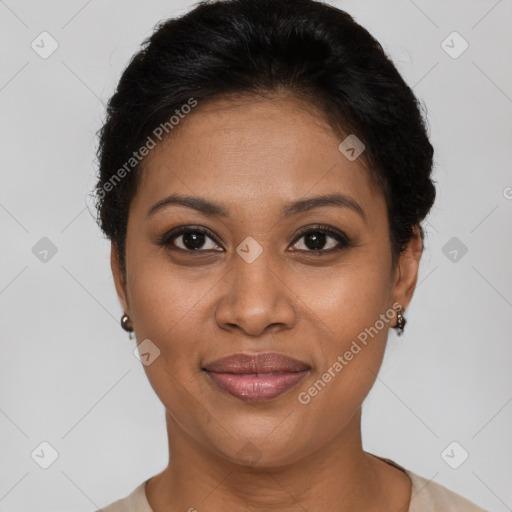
(427, 496)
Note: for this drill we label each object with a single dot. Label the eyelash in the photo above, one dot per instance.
(342, 239)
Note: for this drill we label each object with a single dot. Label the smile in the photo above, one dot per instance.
(256, 386)
(256, 377)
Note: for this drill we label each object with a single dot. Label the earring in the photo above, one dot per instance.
(125, 319)
(400, 322)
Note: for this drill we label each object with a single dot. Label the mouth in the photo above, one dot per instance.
(257, 377)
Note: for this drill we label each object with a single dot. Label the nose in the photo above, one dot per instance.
(257, 298)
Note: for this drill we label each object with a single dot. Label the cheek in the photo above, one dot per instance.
(166, 309)
(352, 307)
(165, 312)
(170, 310)
(349, 357)
(161, 296)
(349, 297)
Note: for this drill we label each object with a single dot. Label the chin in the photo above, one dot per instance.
(259, 452)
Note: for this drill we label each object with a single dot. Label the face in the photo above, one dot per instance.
(268, 268)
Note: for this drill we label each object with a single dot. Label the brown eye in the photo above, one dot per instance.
(316, 240)
(189, 240)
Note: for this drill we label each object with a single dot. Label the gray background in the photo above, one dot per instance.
(67, 372)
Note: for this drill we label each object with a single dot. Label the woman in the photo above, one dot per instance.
(264, 172)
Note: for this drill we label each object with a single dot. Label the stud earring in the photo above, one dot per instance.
(125, 319)
(400, 322)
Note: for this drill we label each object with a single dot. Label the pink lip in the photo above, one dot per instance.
(256, 377)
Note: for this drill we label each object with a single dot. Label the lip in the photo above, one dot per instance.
(256, 377)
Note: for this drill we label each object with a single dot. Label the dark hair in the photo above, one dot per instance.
(310, 49)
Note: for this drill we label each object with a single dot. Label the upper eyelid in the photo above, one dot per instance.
(332, 232)
(177, 232)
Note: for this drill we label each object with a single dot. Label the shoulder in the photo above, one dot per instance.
(136, 501)
(429, 496)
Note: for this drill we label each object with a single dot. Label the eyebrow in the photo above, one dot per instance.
(211, 208)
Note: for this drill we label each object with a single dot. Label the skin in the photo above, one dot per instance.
(253, 156)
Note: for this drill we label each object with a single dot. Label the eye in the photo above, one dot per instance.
(199, 239)
(189, 239)
(315, 239)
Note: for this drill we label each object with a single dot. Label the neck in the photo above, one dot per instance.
(338, 476)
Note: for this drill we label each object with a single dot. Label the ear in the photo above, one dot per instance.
(406, 272)
(119, 278)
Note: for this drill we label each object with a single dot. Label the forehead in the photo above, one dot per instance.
(253, 152)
